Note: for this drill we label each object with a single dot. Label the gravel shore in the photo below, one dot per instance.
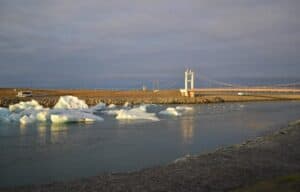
(225, 169)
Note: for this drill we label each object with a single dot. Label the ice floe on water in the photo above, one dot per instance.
(70, 102)
(184, 108)
(171, 111)
(136, 114)
(74, 116)
(4, 114)
(139, 112)
(150, 108)
(111, 106)
(100, 106)
(31, 116)
(143, 108)
(111, 112)
(54, 116)
(28, 105)
(176, 111)
(27, 119)
(67, 109)
(73, 109)
(127, 105)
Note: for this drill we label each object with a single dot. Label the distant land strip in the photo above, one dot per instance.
(49, 97)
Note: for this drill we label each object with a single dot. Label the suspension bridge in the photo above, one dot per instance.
(190, 90)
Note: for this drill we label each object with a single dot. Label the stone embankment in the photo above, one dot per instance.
(50, 101)
(48, 98)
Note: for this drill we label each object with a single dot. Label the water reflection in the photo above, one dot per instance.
(58, 133)
(46, 150)
(23, 129)
(42, 133)
(187, 130)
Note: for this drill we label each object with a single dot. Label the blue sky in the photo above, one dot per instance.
(94, 43)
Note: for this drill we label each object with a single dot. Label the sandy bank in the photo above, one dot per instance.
(225, 169)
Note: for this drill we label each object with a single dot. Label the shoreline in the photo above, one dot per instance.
(48, 98)
(228, 168)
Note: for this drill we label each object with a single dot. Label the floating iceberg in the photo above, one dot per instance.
(147, 107)
(67, 109)
(127, 104)
(138, 110)
(70, 102)
(135, 114)
(143, 108)
(43, 115)
(31, 116)
(4, 115)
(14, 117)
(27, 119)
(170, 111)
(184, 108)
(111, 112)
(28, 105)
(111, 106)
(74, 116)
(4, 111)
(100, 106)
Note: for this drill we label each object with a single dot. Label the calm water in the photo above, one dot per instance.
(42, 153)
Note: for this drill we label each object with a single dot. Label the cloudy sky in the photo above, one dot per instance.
(97, 43)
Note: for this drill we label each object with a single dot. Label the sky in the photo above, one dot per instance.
(126, 43)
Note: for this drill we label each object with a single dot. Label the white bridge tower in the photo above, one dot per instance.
(189, 79)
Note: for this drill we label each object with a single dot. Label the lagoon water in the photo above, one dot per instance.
(43, 152)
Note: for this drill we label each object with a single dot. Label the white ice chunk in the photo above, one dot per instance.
(100, 106)
(111, 106)
(4, 111)
(67, 109)
(43, 116)
(25, 106)
(136, 113)
(15, 117)
(184, 108)
(31, 116)
(74, 116)
(70, 102)
(127, 104)
(4, 114)
(170, 111)
(111, 112)
(27, 119)
(143, 108)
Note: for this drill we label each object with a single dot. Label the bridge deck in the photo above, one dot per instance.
(274, 90)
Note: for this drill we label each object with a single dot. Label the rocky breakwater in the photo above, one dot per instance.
(50, 101)
(150, 100)
(44, 101)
